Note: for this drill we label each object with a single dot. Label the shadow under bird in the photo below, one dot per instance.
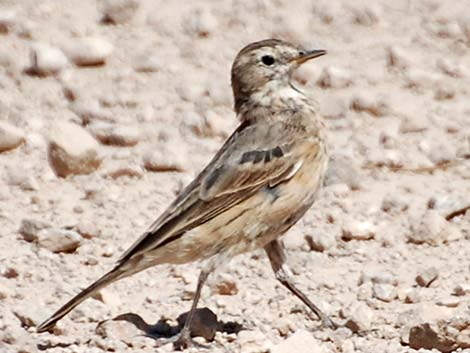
(258, 185)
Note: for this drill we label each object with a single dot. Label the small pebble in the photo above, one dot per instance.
(431, 228)
(426, 277)
(163, 159)
(89, 51)
(46, 59)
(320, 241)
(59, 240)
(384, 292)
(10, 137)
(369, 104)
(398, 58)
(72, 150)
(358, 230)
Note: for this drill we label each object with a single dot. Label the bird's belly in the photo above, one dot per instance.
(254, 222)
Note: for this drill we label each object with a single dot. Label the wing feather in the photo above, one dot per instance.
(239, 170)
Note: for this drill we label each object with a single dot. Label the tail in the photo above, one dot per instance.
(108, 278)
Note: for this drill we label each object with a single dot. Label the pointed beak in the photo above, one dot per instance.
(308, 55)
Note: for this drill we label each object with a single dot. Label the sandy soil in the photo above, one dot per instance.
(394, 90)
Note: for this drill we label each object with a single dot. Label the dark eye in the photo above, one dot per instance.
(267, 60)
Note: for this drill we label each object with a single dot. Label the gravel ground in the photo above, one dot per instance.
(108, 109)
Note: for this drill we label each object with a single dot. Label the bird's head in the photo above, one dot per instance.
(270, 61)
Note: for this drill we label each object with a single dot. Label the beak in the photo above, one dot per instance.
(307, 55)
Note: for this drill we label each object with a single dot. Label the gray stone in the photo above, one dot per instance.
(385, 292)
(59, 240)
(30, 229)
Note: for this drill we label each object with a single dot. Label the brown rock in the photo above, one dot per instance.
(430, 337)
(226, 285)
(72, 150)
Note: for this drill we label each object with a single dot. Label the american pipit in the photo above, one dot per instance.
(260, 183)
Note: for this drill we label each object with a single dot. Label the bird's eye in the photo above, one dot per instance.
(267, 60)
(301, 53)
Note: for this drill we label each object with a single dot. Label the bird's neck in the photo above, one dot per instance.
(270, 101)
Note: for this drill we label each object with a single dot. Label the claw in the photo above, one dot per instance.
(181, 341)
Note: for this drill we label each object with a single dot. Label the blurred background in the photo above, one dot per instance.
(109, 108)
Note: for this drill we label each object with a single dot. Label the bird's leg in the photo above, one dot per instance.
(184, 339)
(277, 257)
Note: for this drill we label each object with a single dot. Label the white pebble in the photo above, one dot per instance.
(46, 59)
(89, 51)
(10, 136)
(358, 230)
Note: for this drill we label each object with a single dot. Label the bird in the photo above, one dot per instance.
(263, 179)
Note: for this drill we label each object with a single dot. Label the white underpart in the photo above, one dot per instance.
(285, 92)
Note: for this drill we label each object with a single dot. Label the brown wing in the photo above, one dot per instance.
(237, 171)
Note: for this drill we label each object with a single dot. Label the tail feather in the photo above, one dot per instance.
(108, 278)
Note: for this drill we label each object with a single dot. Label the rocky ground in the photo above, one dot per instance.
(107, 109)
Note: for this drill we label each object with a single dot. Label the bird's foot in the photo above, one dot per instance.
(328, 323)
(181, 341)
